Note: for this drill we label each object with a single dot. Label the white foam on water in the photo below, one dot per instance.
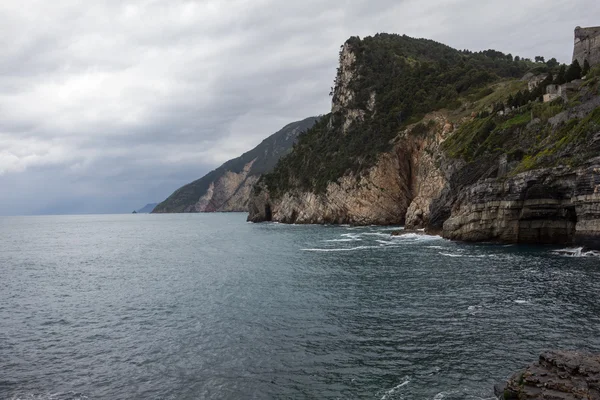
(396, 388)
(354, 236)
(468, 255)
(435, 247)
(387, 235)
(343, 249)
(450, 254)
(343, 240)
(576, 252)
(418, 237)
(522, 302)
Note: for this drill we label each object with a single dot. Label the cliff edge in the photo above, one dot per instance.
(456, 142)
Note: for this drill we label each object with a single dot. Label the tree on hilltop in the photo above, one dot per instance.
(552, 63)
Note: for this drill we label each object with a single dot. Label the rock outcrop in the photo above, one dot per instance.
(228, 187)
(555, 206)
(397, 190)
(503, 167)
(381, 197)
(559, 375)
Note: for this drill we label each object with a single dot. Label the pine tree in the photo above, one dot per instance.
(574, 72)
(551, 63)
(586, 68)
(519, 99)
(561, 76)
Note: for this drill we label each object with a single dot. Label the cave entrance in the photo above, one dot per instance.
(268, 212)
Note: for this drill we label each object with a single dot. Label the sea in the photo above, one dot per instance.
(208, 306)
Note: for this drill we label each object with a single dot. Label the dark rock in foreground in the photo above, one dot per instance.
(560, 375)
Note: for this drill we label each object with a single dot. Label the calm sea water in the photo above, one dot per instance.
(209, 306)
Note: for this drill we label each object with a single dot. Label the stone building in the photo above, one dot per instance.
(535, 81)
(565, 91)
(587, 45)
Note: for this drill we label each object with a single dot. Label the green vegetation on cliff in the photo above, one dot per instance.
(527, 136)
(406, 78)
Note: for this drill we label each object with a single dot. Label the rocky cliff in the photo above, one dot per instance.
(496, 164)
(396, 190)
(540, 185)
(372, 160)
(228, 187)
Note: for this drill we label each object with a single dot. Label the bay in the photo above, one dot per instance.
(209, 306)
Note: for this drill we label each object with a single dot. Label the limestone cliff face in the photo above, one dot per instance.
(427, 178)
(381, 196)
(484, 171)
(397, 190)
(230, 192)
(555, 205)
(559, 205)
(531, 207)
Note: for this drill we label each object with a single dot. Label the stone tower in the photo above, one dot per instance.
(587, 45)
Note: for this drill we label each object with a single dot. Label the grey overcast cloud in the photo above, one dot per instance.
(108, 105)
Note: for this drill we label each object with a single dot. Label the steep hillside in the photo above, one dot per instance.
(383, 86)
(227, 188)
(456, 142)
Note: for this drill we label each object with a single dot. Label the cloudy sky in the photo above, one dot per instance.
(108, 105)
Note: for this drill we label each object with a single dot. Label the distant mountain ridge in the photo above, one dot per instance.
(228, 187)
(147, 208)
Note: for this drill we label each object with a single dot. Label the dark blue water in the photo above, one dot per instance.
(209, 306)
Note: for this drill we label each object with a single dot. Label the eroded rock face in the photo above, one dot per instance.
(397, 190)
(554, 206)
(427, 179)
(228, 193)
(560, 375)
(379, 197)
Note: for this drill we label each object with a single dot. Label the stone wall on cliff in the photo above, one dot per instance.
(587, 45)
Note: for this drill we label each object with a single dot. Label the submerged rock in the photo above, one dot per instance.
(401, 232)
(560, 375)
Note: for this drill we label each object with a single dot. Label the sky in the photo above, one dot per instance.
(108, 105)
